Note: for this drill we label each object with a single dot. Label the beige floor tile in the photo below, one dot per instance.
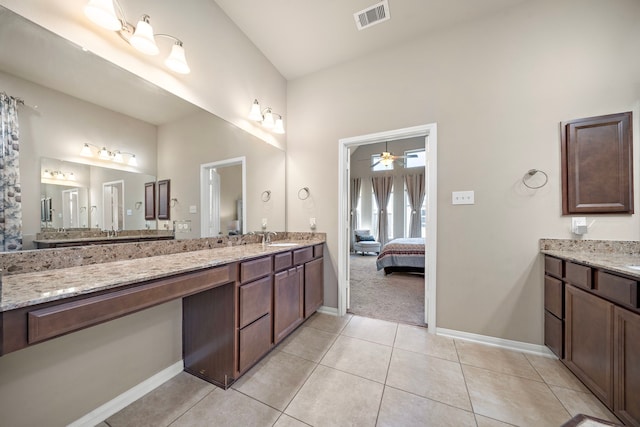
(327, 322)
(490, 422)
(165, 404)
(400, 408)
(495, 359)
(308, 343)
(287, 421)
(513, 399)
(419, 340)
(430, 377)
(374, 330)
(334, 398)
(102, 424)
(359, 357)
(577, 402)
(276, 379)
(228, 408)
(553, 372)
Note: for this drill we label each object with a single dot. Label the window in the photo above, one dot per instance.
(415, 158)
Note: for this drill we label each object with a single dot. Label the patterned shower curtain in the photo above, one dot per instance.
(10, 193)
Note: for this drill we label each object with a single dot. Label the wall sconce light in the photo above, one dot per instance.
(269, 119)
(105, 14)
(108, 155)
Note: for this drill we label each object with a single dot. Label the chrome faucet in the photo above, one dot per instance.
(267, 236)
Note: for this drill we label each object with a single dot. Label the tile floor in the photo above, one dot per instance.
(356, 371)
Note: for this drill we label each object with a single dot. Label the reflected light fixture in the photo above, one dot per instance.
(106, 154)
(267, 117)
(109, 15)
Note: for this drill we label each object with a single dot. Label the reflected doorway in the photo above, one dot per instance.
(70, 209)
(113, 205)
(222, 197)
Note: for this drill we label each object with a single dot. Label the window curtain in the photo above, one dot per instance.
(416, 194)
(356, 184)
(381, 191)
(10, 193)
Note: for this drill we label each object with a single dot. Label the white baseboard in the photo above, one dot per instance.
(120, 402)
(328, 310)
(520, 346)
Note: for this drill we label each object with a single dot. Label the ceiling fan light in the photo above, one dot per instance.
(176, 61)
(102, 13)
(255, 114)
(142, 39)
(268, 121)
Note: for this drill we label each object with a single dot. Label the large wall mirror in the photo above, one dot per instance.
(82, 98)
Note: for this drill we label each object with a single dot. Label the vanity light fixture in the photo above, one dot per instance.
(58, 175)
(109, 15)
(106, 154)
(267, 117)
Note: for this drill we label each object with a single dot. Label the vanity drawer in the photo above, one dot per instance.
(553, 266)
(318, 251)
(301, 256)
(255, 341)
(255, 300)
(554, 334)
(578, 275)
(282, 261)
(618, 289)
(250, 270)
(554, 296)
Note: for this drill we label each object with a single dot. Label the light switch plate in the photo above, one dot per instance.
(463, 198)
(193, 209)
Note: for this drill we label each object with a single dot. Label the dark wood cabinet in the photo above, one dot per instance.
(597, 165)
(313, 286)
(208, 335)
(554, 305)
(626, 350)
(287, 302)
(254, 342)
(589, 341)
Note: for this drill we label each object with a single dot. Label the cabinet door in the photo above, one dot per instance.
(208, 334)
(287, 302)
(627, 366)
(254, 342)
(313, 286)
(589, 341)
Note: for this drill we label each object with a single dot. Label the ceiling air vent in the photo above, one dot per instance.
(375, 14)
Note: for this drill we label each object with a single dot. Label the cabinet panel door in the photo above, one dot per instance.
(627, 366)
(589, 341)
(255, 341)
(255, 300)
(287, 302)
(313, 286)
(553, 334)
(554, 296)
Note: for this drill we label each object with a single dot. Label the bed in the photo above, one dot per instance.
(402, 255)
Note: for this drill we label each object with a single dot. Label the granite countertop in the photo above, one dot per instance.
(104, 238)
(614, 256)
(21, 290)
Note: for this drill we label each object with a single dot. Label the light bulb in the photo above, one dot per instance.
(255, 114)
(279, 126)
(103, 154)
(102, 13)
(142, 39)
(117, 157)
(133, 161)
(268, 121)
(86, 151)
(176, 60)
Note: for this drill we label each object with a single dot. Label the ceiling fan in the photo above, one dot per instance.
(387, 158)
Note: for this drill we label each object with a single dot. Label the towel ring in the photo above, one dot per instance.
(530, 173)
(266, 195)
(303, 193)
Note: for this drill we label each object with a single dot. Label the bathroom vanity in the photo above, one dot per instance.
(238, 301)
(592, 322)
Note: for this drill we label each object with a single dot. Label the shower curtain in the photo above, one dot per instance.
(10, 192)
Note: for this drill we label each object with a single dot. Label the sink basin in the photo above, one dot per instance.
(634, 267)
(283, 244)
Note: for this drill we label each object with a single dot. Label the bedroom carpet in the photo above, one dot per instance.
(398, 297)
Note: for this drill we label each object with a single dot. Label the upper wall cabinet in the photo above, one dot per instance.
(597, 165)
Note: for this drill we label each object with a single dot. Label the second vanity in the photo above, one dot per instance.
(239, 302)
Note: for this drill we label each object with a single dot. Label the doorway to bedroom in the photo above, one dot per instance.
(397, 170)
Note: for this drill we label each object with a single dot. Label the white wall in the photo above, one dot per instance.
(498, 89)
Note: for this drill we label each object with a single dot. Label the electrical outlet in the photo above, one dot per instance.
(312, 223)
(463, 198)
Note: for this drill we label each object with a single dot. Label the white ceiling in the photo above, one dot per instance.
(303, 36)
